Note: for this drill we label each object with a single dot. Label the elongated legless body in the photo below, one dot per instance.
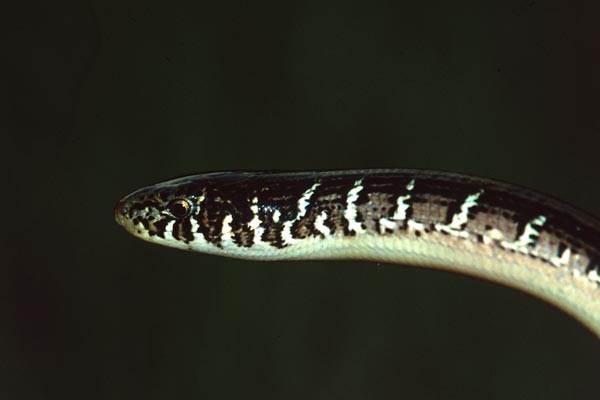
(474, 226)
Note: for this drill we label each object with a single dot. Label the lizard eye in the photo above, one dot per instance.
(179, 208)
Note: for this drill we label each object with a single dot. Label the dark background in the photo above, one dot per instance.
(100, 98)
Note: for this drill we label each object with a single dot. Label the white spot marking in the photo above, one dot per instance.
(565, 257)
(461, 218)
(195, 225)
(169, 228)
(593, 276)
(402, 205)
(276, 215)
(351, 212)
(303, 202)
(495, 234)
(491, 235)
(226, 229)
(527, 238)
(449, 230)
(385, 223)
(286, 233)
(455, 228)
(416, 226)
(254, 224)
(226, 232)
(320, 226)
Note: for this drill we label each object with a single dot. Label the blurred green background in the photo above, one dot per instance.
(100, 98)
